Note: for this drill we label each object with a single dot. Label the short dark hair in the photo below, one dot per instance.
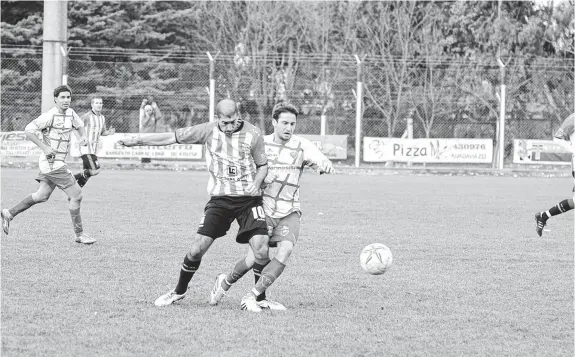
(284, 107)
(94, 97)
(61, 89)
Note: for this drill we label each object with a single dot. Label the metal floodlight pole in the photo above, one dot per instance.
(358, 108)
(212, 91)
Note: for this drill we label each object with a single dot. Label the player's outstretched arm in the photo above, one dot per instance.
(314, 158)
(564, 144)
(157, 139)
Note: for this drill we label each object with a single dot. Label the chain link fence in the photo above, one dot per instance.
(445, 98)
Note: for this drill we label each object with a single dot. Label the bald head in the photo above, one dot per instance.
(226, 107)
(228, 116)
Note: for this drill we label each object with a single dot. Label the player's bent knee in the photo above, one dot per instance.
(77, 197)
(285, 249)
(261, 253)
(199, 247)
(94, 172)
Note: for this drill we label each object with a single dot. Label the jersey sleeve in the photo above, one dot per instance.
(259, 151)
(197, 134)
(39, 123)
(566, 129)
(76, 121)
(312, 156)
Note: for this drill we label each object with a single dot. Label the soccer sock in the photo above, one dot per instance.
(269, 274)
(559, 208)
(76, 221)
(21, 206)
(187, 272)
(258, 268)
(82, 177)
(239, 270)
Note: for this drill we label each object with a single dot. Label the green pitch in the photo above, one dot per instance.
(470, 276)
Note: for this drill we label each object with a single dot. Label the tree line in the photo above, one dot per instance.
(434, 60)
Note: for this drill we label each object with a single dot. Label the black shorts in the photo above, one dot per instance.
(221, 211)
(90, 162)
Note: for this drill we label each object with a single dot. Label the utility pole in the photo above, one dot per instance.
(55, 38)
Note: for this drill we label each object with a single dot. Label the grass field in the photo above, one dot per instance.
(470, 276)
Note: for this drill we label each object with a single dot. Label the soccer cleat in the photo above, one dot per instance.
(6, 218)
(217, 292)
(169, 298)
(84, 239)
(541, 222)
(271, 305)
(249, 303)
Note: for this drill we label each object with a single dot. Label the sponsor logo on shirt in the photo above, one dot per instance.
(283, 230)
(272, 153)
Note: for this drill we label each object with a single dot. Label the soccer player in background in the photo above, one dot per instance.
(563, 137)
(287, 155)
(237, 164)
(52, 131)
(95, 126)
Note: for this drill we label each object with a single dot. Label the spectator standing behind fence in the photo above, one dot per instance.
(149, 116)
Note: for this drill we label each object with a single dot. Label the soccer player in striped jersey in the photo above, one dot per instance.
(52, 131)
(564, 137)
(95, 126)
(287, 155)
(237, 165)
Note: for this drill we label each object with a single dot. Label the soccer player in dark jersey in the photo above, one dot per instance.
(237, 165)
(288, 155)
(95, 126)
(52, 132)
(563, 137)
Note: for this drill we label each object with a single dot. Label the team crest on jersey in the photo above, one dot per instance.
(283, 230)
(293, 154)
(232, 171)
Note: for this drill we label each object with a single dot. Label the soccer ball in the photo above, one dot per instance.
(375, 258)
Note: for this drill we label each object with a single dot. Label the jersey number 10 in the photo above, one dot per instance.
(258, 212)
